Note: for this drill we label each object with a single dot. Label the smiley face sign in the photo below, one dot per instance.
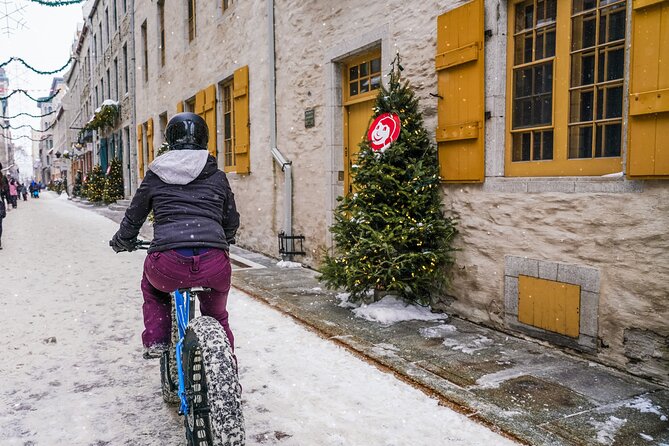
(384, 130)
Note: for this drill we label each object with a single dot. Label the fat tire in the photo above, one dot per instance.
(169, 377)
(217, 415)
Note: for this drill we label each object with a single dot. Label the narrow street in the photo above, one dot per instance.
(73, 372)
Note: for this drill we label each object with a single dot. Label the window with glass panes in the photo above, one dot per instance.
(364, 77)
(228, 126)
(565, 85)
(226, 4)
(534, 56)
(597, 64)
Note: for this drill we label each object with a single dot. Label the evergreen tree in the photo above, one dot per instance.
(390, 233)
(114, 183)
(77, 188)
(95, 185)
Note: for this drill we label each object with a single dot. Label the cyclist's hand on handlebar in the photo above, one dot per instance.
(119, 244)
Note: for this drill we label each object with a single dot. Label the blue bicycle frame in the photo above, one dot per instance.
(182, 302)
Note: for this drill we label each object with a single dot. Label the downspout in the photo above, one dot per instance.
(132, 91)
(286, 165)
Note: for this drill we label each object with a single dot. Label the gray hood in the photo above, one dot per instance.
(179, 166)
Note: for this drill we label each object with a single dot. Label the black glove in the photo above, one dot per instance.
(119, 244)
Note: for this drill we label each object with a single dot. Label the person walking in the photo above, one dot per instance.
(195, 222)
(4, 187)
(13, 192)
(3, 214)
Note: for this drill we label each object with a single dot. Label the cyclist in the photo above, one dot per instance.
(195, 222)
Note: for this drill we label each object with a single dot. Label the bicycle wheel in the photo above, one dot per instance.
(214, 395)
(169, 377)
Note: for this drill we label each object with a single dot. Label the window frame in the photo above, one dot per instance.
(222, 86)
(560, 165)
(191, 21)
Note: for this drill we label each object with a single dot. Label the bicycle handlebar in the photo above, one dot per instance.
(139, 244)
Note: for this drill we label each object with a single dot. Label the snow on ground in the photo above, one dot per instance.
(389, 310)
(74, 373)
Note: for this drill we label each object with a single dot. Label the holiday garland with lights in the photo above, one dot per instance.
(390, 233)
(106, 116)
(28, 114)
(114, 183)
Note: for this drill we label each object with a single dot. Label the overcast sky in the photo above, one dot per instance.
(42, 36)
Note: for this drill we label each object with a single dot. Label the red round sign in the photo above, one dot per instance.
(384, 130)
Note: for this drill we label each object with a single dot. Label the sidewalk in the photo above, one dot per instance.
(535, 394)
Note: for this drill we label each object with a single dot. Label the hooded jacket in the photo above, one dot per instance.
(192, 203)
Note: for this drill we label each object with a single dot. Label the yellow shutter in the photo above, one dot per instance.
(461, 111)
(140, 152)
(210, 117)
(242, 124)
(149, 138)
(648, 153)
(199, 103)
(180, 107)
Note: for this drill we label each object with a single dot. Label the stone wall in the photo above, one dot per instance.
(613, 227)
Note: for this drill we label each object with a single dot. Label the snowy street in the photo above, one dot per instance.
(73, 374)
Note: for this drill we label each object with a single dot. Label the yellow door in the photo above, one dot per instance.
(356, 123)
(362, 80)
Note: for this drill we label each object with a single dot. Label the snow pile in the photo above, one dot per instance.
(475, 345)
(391, 310)
(438, 331)
(606, 430)
(288, 264)
(644, 405)
(63, 196)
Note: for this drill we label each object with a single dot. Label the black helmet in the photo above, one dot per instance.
(187, 131)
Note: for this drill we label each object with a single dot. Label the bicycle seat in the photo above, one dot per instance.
(194, 289)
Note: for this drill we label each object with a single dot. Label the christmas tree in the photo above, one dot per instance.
(390, 233)
(96, 184)
(114, 183)
(78, 184)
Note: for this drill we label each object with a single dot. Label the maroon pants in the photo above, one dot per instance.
(168, 270)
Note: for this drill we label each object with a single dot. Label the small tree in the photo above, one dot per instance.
(95, 185)
(114, 183)
(78, 184)
(390, 234)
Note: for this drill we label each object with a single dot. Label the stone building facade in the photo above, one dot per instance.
(546, 132)
(104, 71)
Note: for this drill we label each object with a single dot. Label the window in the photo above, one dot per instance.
(102, 90)
(125, 8)
(145, 52)
(565, 87)
(125, 66)
(97, 100)
(116, 90)
(226, 4)
(597, 60)
(107, 24)
(95, 48)
(534, 54)
(162, 122)
(364, 77)
(108, 85)
(115, 15)
(161, 31)
(228, 125)
(191, 20)
(102, 43)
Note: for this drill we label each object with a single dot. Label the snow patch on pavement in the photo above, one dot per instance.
(288, 264)
(391, 310)
(606, 430)
(438, 331)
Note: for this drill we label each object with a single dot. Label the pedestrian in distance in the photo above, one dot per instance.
(13, 192)
(195, 222)
(3, 214)
(24, 192)
(4, 187)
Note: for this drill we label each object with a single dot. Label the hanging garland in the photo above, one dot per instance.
(105, 116)
(28, 114)
(16, 138)
(58, 3)
(47, 99)
(29, 126)
(18, 59)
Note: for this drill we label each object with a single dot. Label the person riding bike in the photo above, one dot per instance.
(195, 222)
